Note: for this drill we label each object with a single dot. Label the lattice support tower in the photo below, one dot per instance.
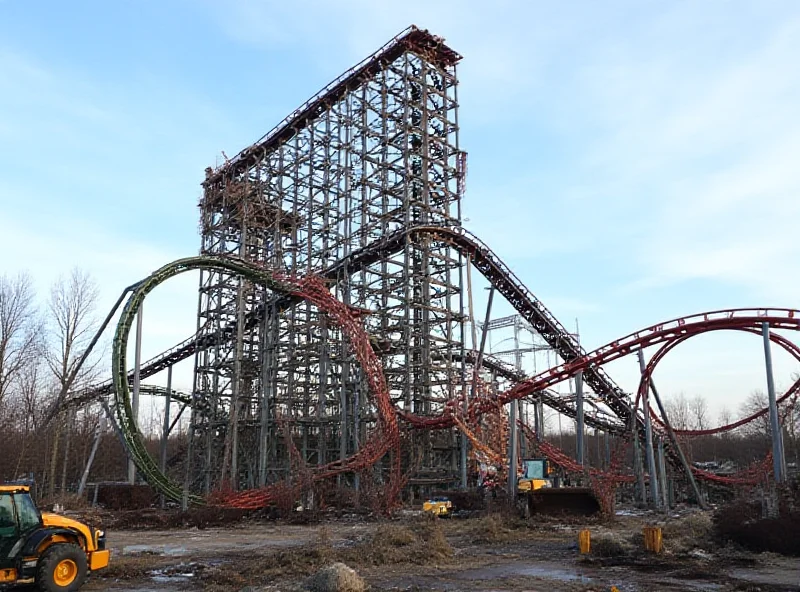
(376, 151)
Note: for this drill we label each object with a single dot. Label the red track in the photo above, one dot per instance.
(669, 332)
(387, 435)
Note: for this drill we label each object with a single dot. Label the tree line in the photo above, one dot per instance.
(740, 447)
(40, 347)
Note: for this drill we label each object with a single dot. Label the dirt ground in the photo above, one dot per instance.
(411, 552)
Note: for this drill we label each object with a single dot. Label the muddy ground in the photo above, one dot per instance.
(411, 552)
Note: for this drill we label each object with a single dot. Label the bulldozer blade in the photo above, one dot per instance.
(578, 501)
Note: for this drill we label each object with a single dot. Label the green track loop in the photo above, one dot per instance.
(122, 395)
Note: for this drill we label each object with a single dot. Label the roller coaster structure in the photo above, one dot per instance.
(387, 435)
(331, 303)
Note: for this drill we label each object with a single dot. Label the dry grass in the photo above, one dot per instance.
(395, 535)
(489, 529)
(687, 533)
(497, 528)
(238, 571)
(696, 525)
(606, 546)
(422, 542)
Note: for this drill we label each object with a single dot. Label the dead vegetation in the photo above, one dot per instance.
(418, 542)
(694, 531)
(606, 546)
(496, 528)
(133, 567)
(743, 524)
(505, 527)
(386, 551)
(153, 518)
(422, 542)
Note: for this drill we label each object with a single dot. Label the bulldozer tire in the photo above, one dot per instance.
(62, 568)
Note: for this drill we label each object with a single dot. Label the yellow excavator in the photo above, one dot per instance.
(540, 490)
(52, 552)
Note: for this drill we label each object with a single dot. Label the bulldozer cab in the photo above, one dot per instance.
(18, 513)
(18, 517)
(536, 468)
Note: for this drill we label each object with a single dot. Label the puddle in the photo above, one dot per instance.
(165, 579)
(788, 576)
(543, 571)
(630, 512)
(169, 550)
(181, 572)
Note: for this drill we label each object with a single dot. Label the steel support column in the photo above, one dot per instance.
(648, 438)
(662, 475)
(580, 428)
(677, 447)
(778, 459)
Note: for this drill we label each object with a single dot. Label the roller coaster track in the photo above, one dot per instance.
(317, 289)
(550, 398)
(386, 435)
(490, 266)
(506, 283)
(480, 255)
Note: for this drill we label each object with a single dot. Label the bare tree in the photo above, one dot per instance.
(71, 325)
(31, 389)
(756, 401)
(678, 411)
(699, 411)
(725, 418)
(20, 329)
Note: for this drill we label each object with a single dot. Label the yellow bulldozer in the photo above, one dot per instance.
(51, 552)
(541, 490)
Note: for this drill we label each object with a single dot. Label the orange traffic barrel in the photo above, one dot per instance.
(584, 541)
(652, 539)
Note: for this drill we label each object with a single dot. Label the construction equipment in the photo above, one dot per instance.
(53, 552)
(438, 506)
(540, 489)
(536, 473)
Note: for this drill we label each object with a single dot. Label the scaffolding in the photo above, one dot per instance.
(375, 152)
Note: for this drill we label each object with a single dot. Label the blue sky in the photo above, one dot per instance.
(632, 161)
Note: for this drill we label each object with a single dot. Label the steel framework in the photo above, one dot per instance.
(331, 301)
(374, 152)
